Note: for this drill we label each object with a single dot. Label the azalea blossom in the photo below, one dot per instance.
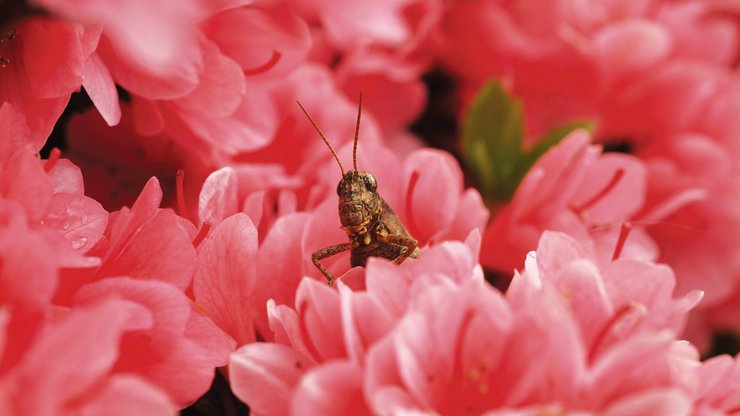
(574, 188)
(441, 340)
(654, 77)
(162, 194)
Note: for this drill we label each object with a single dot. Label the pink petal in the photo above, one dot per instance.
(252, 36)
(125, 394)
(251, 126)
(150, 243)
(4, 320)
(279, 265)
(225, 277)
(73, 354)
(631, 45)
(364, 321)
(319, 315)
(332, 389)
(264, 375)
(168, 354)
(27, 254)
(220, 88)
(697, 37)
(451, 261)
(382, 380)
(582, 287)
(38, 114)
(664, 402)
(100, 87)
(215, 344)
(159, 250)
(286, 327)
(66, 177)
(395, 103)
(24, 181)
(177, 77)
(471, 214)
(14, 132)
(624, 199)
(633, 365)
(218, 196)
(169, 307)
(433, 196)
(57, 72)
(142, 211)
(81, 220)
(556, 250)
(350, 23)
(254, 207)
(548, 346)
(388, 284)
(653, 283)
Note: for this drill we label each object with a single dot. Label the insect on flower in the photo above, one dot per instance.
(371, 225)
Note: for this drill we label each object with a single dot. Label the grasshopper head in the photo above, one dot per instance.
(358, 199)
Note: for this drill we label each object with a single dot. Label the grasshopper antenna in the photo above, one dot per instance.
(357, 132)
(316, 126)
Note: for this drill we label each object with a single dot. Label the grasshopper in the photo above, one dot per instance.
(371, 225)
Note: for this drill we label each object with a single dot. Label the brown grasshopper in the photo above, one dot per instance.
(371, 225)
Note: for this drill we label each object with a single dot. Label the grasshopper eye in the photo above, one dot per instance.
(370, 182)
(339, 187)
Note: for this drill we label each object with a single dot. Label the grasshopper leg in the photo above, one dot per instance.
(409, 245)
(328, 252)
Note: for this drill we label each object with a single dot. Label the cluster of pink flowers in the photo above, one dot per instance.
(170, 239)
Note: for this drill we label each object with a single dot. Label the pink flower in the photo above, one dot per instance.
(329, 333)
(265, 43)
(432, 204)
(718, 391)
(155, 40)
(148, 242)
(351, 24)
(655, 76)
(69, 367)
(177, 350)
(576, 189)
(608, 306)
(468, 349)
(143, 242)
(35, 87)
(54, 206)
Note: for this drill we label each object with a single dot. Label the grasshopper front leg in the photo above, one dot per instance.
(328, 252)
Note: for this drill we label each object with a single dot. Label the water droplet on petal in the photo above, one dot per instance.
(79, 243)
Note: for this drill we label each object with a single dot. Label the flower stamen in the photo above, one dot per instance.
(202, 233)
(180, 191)
(623, 233)
(54, 156)
(630, 308)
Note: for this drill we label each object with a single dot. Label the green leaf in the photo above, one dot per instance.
(493, 142)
